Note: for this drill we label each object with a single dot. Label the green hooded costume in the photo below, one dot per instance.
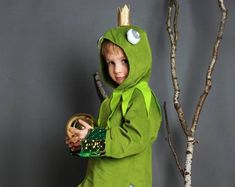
(120, 147)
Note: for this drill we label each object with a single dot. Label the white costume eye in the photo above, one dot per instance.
(133, 36)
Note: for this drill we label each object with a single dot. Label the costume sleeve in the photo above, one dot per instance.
(94, 143)
(138, 130)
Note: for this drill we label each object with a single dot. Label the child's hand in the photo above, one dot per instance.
(73, 142)
(81, 133)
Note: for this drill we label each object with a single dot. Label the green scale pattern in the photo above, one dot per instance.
(94, 143)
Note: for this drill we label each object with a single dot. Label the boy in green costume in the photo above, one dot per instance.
(120, 146)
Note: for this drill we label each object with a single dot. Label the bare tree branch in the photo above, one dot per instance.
(168, 138)
(208, 82)
(189, 132)
(99, 87)
(176, 10)
(173, 6)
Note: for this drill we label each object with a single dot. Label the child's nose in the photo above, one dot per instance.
(118, 69)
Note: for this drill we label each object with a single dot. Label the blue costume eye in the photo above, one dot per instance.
(133, 36)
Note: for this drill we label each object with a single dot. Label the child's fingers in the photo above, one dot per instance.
(77, 133)
(74, 131)
(75, 139)
(67, 140)
(77, 144)
(85, 124)
(75, 148)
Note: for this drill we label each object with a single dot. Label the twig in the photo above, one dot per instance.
(168, 138)
(176, 33)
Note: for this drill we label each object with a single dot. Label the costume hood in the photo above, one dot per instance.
(138, 53)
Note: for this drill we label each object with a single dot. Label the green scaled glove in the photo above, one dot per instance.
(94, 143)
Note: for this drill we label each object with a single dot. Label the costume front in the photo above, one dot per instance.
(120, 147)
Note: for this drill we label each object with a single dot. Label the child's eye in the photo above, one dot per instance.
(125, 61)
(110, 62)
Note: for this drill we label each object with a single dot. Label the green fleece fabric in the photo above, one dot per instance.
(131, 117)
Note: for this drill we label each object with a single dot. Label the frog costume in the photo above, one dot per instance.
(120, 147)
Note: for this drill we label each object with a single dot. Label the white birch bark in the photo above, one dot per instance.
(188, 162)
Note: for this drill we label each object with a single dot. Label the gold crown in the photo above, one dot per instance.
(123, 17)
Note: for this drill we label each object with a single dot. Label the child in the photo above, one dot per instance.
(120, 147)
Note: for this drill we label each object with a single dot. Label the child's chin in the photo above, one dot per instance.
(119, 82)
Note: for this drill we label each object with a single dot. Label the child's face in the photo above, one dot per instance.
(118, 67)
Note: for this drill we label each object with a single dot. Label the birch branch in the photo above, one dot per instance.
(189, 132)
(173, 6)
(208, 82)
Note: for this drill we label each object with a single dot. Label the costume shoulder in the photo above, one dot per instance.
(147, 93)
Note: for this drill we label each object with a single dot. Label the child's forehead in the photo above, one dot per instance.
(111, 48)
